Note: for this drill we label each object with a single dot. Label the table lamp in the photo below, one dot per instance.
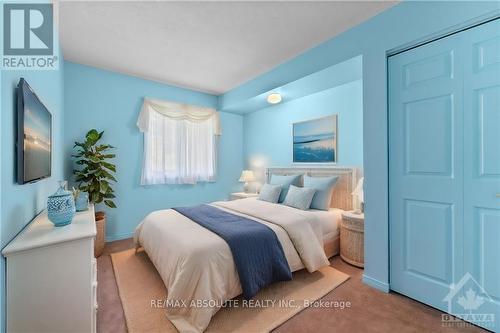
(359, 199)
(246, 176)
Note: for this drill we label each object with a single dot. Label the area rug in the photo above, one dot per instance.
(139, 283)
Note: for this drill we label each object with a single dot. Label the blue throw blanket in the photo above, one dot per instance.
(256, 250)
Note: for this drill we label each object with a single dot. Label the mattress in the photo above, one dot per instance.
(328, 219)
(330, 222)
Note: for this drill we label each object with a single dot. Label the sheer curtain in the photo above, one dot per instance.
(180, 143)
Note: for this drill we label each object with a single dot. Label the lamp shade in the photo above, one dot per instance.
(358, 191)
(247, 176)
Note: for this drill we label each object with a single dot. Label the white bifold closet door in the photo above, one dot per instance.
(444, 174)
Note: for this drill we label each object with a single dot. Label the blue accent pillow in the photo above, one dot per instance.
(299, 197)
(270, 193)
(285, 182)
(323, 187)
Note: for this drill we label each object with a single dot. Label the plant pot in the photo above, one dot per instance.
(100, 223)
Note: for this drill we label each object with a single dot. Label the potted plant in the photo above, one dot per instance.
(95, 175)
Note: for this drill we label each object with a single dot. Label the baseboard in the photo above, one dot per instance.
(111, 238)
(382, 286)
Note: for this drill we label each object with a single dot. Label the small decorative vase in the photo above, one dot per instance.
(82, 201)
(61, 206)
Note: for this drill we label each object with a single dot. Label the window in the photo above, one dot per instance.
(180, 143)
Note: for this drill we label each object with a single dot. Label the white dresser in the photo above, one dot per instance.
(52, 276)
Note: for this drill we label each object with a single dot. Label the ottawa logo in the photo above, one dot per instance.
(467, 300)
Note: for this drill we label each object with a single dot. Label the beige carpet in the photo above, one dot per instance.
(139, 283)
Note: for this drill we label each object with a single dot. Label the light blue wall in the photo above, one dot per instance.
(402, 25)
(268, 132)
(20, 203)
(333, 76)
(2, 263)
(111, 102)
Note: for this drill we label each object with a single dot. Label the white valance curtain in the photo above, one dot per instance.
(177, 111)
(180, 142)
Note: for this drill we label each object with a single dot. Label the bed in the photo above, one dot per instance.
(342, 199)
(197, 265)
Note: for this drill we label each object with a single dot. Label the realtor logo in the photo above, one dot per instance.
(28, 37)
(467, 300)
(28, 29)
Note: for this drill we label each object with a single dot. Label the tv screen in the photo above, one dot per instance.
(34, 136)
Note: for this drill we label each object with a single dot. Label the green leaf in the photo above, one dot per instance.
(104, 186)
(109, 203)
(80, 178)
(92, 137)
(108, 175)
(94, 196)
(103, 147)
(109, 166)
(92, 134)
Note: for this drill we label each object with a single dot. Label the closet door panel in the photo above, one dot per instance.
(482, 165)
(425, 170)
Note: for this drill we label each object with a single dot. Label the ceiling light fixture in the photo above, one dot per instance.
(274, 98)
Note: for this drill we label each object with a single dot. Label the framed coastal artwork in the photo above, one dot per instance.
(315, 141)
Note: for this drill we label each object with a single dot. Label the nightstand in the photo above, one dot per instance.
(242, 195)
(352, 238)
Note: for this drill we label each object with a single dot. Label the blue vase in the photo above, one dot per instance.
(61, 206)
(82, 201)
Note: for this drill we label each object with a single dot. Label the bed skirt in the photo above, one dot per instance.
(332, 247)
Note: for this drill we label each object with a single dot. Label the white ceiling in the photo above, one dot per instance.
(206, 46)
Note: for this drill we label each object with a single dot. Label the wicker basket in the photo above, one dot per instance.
(100, 223)
(352, 237)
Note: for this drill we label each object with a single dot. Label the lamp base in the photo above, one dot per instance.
(246, 187)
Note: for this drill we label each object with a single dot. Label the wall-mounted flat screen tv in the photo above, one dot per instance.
(34, 136)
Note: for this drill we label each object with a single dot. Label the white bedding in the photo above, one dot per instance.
(330, 221)
(196, 264)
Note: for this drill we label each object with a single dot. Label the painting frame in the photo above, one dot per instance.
(316, 138)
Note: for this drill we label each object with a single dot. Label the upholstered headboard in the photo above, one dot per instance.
(341, 197)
